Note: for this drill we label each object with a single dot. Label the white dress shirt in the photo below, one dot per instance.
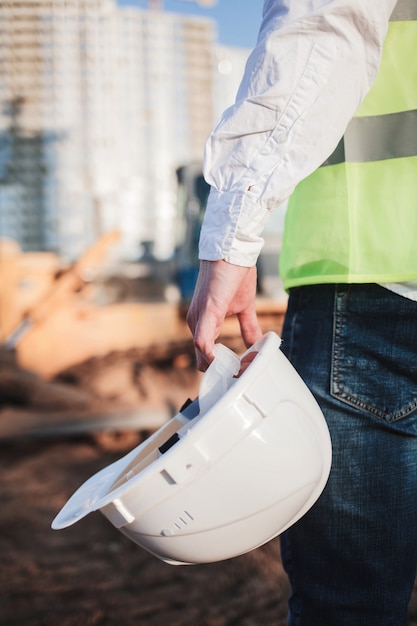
(313, 64)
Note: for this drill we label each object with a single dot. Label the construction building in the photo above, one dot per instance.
(99, 106)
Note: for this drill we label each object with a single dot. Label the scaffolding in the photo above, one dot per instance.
(99, 106)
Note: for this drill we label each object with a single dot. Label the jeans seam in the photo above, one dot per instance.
(294, 610)
(289, 346)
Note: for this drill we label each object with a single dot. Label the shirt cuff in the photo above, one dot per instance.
(232, 227)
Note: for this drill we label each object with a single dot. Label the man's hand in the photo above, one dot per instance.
(222, 289)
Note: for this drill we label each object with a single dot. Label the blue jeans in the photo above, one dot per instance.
(352, 558)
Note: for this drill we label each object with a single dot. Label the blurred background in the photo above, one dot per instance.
(105, 108)
(101, 104)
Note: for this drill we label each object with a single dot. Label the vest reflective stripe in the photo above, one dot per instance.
(355, 218)
(377, 138)
(404, 10)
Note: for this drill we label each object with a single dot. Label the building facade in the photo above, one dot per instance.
(99, 106)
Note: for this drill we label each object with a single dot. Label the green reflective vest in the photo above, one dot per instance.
(354, 220)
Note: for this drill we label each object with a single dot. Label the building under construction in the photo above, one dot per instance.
(99, 106)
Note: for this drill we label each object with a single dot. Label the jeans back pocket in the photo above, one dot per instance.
(375, 351)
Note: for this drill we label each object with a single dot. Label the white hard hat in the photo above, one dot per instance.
(231, 471)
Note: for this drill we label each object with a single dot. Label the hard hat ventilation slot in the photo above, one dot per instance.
(184, 520)
(169, 443)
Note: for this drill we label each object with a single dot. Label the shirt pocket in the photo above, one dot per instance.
(374, 360)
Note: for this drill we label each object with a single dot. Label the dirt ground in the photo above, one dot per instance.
(90, 573)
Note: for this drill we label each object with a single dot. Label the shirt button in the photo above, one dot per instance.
(281, 136)
(267, 149)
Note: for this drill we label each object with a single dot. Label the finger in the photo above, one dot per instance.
(205, 336)
(203, 360)
(204, 329)
(249, 327)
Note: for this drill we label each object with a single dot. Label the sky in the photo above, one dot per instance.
(238, 21)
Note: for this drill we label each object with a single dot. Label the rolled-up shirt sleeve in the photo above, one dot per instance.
(313, 64)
